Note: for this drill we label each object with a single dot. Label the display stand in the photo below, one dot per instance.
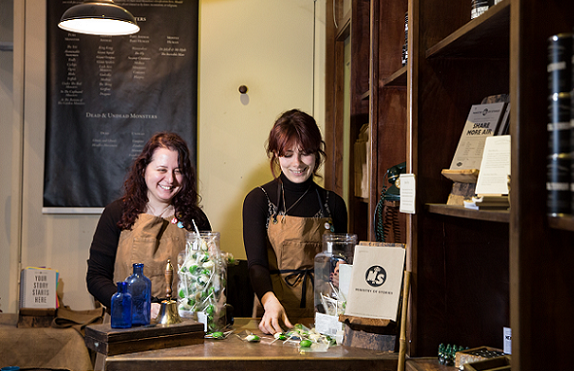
(464, 185)
(28, 318)
(379, 334)
(111, 341)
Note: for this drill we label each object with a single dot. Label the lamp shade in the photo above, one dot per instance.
(101, 17)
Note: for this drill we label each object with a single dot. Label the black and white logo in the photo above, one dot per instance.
(376, 276)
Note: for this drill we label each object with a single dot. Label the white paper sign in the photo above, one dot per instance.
(495, 166)
(376, 282)
(408, 192)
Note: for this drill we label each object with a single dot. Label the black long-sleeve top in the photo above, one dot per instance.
(100, 275)
(257, 211)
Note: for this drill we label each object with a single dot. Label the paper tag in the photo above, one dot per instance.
(202, 318)
(408, 193)
(507, 340)
(327, 325)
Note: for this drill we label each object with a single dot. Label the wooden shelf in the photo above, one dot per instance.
(487, 36)
(363, 199)
(565, 223)
(472, 269)
(500, 216)
(344, 27)
(399, 78)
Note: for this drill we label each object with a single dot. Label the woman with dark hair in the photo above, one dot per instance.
(284, 221)
(147, 225)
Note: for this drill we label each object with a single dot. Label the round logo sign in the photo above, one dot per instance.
(376, 276)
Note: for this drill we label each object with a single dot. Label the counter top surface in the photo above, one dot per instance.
(235, 353)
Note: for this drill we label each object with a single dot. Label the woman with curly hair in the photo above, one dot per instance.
(148, 223)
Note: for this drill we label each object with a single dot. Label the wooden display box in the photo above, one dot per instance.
(492, 364)
(33, 317)
(367, 333)
(476, 354)
(111, 341)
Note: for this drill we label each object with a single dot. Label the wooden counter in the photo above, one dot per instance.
(236, 354)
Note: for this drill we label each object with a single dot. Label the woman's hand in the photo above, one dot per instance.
(273, 315)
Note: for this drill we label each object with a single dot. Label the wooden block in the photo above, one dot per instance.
(369, 340)
(34, 321)
(40, 312)
(461, 192)
(28, 318)
(364, 321)
(111, 341)
(370, 333)
(461, 176)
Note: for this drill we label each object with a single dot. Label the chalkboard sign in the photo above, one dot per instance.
(107, 95)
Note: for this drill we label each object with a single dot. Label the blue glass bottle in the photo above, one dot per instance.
(139, 286)
(122, 307)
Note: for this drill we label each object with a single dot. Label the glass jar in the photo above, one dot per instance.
(202, 270)
(121, 311)
(338, 248)
(139, 286)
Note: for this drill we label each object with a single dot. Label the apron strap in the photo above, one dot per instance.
(295, 276)
(274, 216)
(323, 213)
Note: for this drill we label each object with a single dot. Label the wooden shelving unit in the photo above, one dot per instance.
(502, 216)
(473, 272)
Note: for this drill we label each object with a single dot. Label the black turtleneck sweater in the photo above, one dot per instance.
(256, 213)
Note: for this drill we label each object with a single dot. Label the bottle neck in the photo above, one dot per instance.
(122, 287)
(138, 269)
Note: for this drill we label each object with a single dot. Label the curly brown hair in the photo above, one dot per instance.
(295, 127)
(185, 202)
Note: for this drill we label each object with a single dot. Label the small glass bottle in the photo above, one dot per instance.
(337, 248)
(139, 286)
(121, 312)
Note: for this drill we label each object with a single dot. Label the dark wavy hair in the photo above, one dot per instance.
(185, 202)
(295, 127)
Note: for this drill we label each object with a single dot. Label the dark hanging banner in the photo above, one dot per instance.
(107, 95)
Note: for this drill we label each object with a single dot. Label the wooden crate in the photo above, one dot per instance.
(111, 341)
(36, 317)
(492, 364)
(367, 333)
(475, 355)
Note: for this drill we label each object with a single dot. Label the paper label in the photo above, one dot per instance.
(327, 325)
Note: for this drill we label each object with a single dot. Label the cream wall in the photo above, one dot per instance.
(232, 129)
(270, 50)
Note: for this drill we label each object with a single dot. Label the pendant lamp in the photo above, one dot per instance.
(100, 17)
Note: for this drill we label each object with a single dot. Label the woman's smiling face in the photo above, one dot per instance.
(297, 165)
(163, 177)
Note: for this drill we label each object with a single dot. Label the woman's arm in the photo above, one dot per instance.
(100, 275)
(255, 241)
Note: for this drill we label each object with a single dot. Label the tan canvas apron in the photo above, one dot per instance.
(294, 242)
(151, 241)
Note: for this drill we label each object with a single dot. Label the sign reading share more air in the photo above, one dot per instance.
(375, 286)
